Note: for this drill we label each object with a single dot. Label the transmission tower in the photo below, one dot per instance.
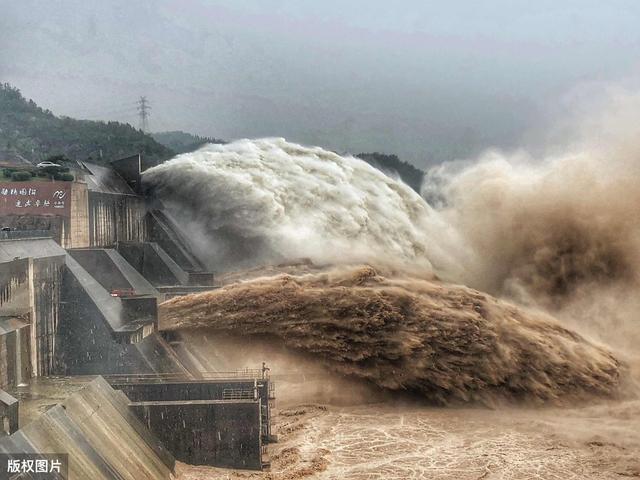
(143, 112)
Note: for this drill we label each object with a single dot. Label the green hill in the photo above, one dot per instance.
(29, 131)
(409, 174)
(183, 142)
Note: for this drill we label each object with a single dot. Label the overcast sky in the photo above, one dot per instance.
(427, 80)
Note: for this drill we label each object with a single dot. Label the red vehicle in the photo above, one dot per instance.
(123, 292)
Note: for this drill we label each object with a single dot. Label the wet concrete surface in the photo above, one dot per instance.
(43, 393)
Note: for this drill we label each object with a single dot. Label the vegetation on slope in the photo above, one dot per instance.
(37, 134)
(183, 142)
(391, 164)
(29, 131)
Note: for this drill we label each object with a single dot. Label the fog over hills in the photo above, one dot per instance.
(424, 80)
(30, 133)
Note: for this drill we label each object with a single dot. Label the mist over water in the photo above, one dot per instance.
(269, 200)
(560, 233)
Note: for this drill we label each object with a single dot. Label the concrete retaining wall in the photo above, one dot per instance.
(15, 348)
(102, 436)
(150, 260)
(112, 270)
(115, 218)
(37, 266)
(89, 330)
(46, 286)
(201, 432)
(57, 227)
(78, 217)
(165, 233)
(219, 422)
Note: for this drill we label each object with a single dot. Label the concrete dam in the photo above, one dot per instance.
(85, 370)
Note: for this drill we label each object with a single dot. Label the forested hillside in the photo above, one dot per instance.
(33, 133)
(182, 142)
(36, 134)
(409, 174)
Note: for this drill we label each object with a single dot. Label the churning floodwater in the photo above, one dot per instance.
(517, 282)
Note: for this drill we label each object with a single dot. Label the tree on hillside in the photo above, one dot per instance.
(409, 174)
(183, 142)
(36, 134)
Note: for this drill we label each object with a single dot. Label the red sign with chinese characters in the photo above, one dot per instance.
(35, 198)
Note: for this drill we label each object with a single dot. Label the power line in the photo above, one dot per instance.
(143, 112)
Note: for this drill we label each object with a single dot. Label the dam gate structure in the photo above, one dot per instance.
(80, 286)
(222, 418)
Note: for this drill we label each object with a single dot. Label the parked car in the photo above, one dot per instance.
(47, 164)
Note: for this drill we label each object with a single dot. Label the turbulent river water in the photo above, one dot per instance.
(514, 286)
(442, 342)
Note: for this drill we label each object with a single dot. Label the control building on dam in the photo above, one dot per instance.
(83, 267)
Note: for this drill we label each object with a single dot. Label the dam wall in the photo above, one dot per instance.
(32, 275)
(223, 433)
(80, 283)
(223, 422)
(103, 438)
(113, 271)
(96, 334)
(151, 261)
(165, 233)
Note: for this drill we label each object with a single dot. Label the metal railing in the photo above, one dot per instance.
(238, 394)
(244, 374)
(146, 377)
(247, 373)
(20, 234)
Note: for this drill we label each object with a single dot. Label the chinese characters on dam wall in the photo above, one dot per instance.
(35, 198)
